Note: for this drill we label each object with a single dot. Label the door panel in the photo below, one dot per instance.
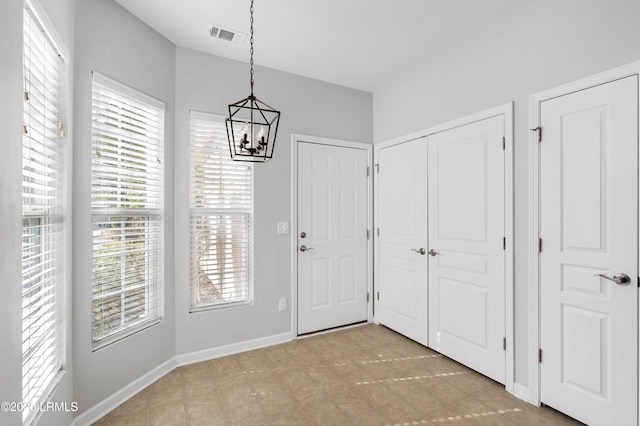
(332, 212)
(466, 230)
(588, 226)
(402, 211)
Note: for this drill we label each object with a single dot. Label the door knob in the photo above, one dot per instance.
(433, 252)
(620, 279)
(420, 251)
(304, 248)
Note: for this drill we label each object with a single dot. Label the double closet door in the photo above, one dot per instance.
(441, 228)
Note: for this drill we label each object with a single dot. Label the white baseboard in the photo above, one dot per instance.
(521, 392)
(107, 405)
(232, 349)
(102, 408)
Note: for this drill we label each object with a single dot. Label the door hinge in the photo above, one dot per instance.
(377, 295)
(504, 143)
(367, 297)
(378, 232)
(367, 171)
(377, 168)
(539, 245)
(367, 234)
(539, 356)
(504, 343)
(538, 130)
(504, 243)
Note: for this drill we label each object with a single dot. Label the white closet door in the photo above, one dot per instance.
(466, 252)
(402, 221)
(589, 227)
(332, 256)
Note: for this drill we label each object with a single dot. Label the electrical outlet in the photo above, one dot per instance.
(282, 304)
(283, 228)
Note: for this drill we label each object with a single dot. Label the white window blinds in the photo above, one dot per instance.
(221, 217)
(43, 198)
(127, 210)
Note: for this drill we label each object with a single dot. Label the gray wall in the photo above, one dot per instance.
(550, 43)
(110, 40)
(209, 83)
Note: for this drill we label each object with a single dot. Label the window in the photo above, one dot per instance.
(221, 218)
(43, 212)
(127, 210)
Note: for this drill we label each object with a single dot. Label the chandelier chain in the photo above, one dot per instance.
(251, 50)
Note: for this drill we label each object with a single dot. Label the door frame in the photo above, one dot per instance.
(505, 110)
(535, 103)
(368, 148)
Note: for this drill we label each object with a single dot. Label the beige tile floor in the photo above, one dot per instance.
(367, 375)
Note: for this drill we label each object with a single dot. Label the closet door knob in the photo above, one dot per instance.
(433, 252)
(419, 251)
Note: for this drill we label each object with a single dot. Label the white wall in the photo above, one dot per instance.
(60, 15)
(209, 83)
(110, 40)
(550, 43)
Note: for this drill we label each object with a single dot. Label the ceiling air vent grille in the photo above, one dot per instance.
(226, 34)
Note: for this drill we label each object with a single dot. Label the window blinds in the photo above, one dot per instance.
(43, 177)
(221, 217)
(127, 209)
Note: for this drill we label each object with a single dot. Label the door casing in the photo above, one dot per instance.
(296, 139)
(535, 102)
(506, 110)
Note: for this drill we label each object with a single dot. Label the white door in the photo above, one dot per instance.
(466, 246)
(588, 226)
(332, 236)
(402, 223)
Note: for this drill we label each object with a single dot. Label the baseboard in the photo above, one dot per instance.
(99, 410)
(232, 349)
(521, 392)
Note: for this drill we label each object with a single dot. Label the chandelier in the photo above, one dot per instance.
(252, 125)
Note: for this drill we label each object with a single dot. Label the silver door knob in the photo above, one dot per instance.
(419, 251)
(620, 279)
(433, 252)
(304, 248)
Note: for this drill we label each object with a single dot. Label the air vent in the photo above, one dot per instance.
(226, 34)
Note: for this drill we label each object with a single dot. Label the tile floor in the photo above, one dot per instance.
(367, 375)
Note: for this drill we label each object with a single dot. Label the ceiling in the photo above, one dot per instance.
(355, 43)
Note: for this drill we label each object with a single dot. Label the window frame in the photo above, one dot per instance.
(45, 221)
(146, 216)
(207, 210)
